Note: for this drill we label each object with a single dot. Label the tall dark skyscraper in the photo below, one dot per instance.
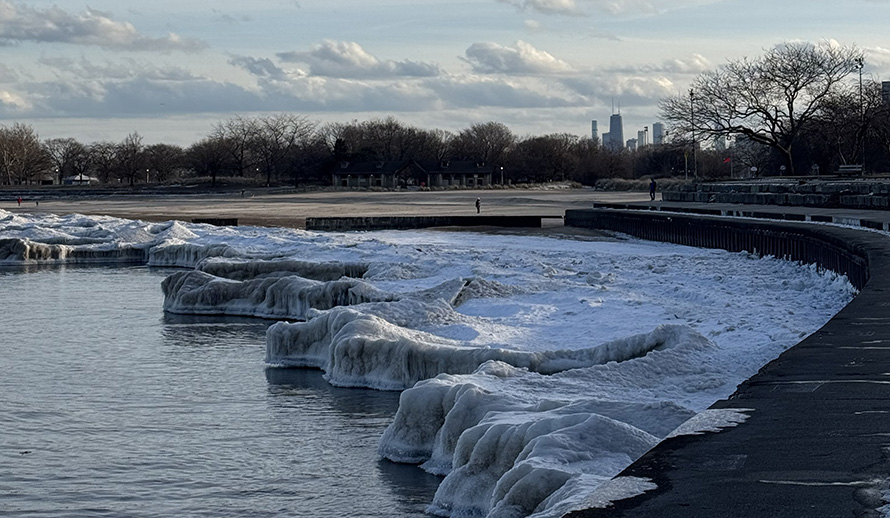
(616, 131)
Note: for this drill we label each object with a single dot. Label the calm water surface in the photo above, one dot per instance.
(109, 407)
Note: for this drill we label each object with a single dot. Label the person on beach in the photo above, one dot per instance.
(478, 205)
(20, 201)
(652, 189)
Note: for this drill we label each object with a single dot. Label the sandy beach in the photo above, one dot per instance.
(292, 209)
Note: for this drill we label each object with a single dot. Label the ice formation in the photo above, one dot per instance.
(199, 293)
(533, 370)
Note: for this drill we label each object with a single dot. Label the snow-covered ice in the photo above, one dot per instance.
(533, 369)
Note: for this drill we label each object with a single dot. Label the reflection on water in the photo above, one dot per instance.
(109, 406)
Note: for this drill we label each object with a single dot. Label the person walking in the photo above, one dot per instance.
(20, 201)
(652, 189)
(478, 205)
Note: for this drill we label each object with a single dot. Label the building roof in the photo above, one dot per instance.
(368, 167)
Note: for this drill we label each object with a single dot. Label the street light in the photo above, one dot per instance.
(692, 122)
(860, 64)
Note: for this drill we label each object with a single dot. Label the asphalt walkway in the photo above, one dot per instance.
(816, 442)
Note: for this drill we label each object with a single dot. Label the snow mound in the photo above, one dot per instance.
(508, 448)
(357, 349)
(248, 269)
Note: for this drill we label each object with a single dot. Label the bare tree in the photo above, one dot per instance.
(69, 156)
(130, 158)
(546, 158)
(103, 160)
(487, 142)
(164, 160)
(767, 100)
(275, 138)
(210, 157)
(238, 133)
(22, 157)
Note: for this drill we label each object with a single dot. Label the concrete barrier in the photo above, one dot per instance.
(345, 224)
(219, 222)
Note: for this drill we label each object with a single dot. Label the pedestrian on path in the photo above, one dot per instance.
(478, 205)
(652, 189)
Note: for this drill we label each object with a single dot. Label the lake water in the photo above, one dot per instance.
(110, 407)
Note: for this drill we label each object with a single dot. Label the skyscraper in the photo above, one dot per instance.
(657, 133)
(616, 131)
(643, 138)
(594, 133)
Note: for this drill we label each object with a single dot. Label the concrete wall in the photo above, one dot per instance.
(867, 195)
(414, 222)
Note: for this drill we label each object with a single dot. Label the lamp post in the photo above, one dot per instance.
(692, 122)
(728, 140)
(860, 64)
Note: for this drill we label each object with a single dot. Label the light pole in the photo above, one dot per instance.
(860, 64)
(728, 140)
(692, 122)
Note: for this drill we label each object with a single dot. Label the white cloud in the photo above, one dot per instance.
(523, 58)
(12, 101)
(346, 59)
(20, 23)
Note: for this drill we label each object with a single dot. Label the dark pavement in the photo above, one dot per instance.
(817, 440)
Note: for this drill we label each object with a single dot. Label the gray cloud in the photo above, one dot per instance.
(20, 23)
(124, 69)
(260, 67)
(613, 7)
(486, 58)
(346, 59)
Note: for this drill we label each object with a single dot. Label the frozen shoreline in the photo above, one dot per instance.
(494, 427)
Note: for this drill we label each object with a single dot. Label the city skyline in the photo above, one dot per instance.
(107, 68)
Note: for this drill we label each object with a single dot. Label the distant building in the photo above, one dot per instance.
(658, 133)
(885, 92)
(643, 138)
(632, 144)
(423, 173)
(594, 133)
(616, 131)
(607, 140)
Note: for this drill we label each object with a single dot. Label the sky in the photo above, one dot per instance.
(170, 70)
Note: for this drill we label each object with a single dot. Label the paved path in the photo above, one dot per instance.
(817, 439)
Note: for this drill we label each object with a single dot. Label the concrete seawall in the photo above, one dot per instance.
(415, 222)
(815, 441)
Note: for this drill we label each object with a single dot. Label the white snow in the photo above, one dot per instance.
(534, 369)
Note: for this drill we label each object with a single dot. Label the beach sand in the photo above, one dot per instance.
(291, 209)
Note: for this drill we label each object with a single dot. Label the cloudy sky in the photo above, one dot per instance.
(171, 69)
